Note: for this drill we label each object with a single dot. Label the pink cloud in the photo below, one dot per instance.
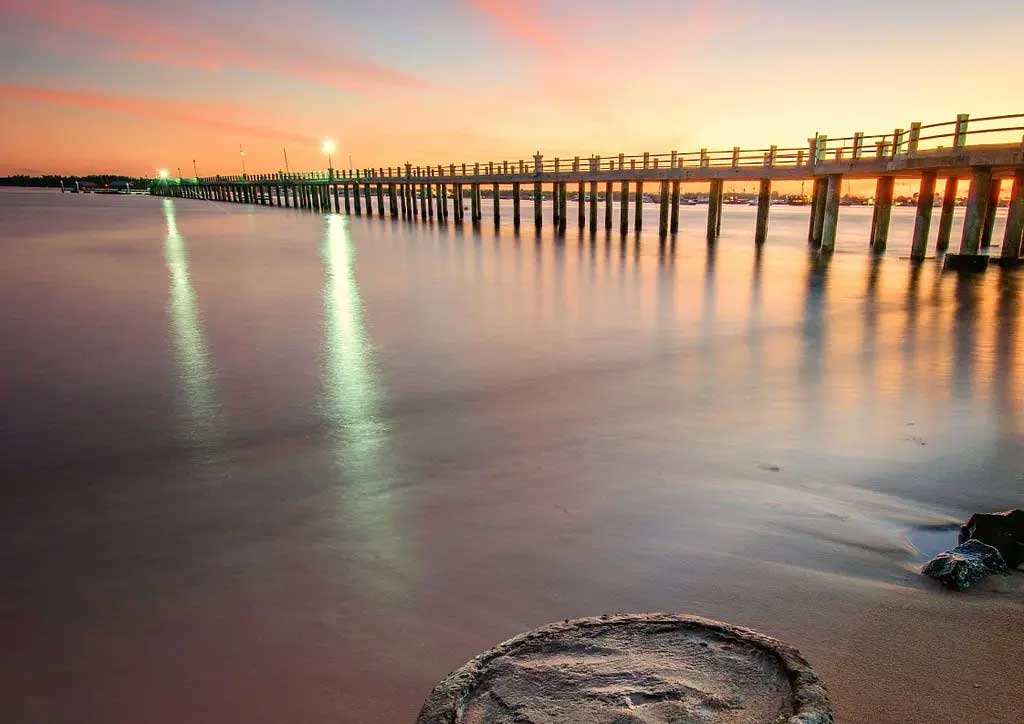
(213, 116)
(519, 20)
(191, 39)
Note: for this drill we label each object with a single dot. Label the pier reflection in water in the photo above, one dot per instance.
(429, 438)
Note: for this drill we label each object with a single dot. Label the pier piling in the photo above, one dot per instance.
(923, 218)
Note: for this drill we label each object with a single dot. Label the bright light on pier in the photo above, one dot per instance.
(163, 174)
(328, 146)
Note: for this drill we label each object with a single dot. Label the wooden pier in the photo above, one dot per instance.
(963, 148)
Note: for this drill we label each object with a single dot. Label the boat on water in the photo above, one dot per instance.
(797, 200)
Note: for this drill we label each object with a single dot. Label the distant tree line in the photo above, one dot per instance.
(69, 181)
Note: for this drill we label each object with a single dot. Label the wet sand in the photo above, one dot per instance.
(269, 467)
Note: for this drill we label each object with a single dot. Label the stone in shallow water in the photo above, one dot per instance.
(633, 669)
(965, 565)
(1003, 531)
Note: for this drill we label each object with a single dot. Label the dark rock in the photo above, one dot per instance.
(1003, 531)
(965, 565)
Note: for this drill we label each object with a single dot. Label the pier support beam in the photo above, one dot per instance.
(946, 217)
(764, 201)
(423, 202)
(638, 211)
(977, 210)
(817, 212)
(369, 199)
(923, 218)
(831, 222)
(429, 189)
(663, 209)
(609, 192)
(562, 205)
(477, 210)
(624, 208)
(497, 205)
(556, 200)
(357, 199)
(674, 223)
(714, 209)
(380, 200)
(990, 213)
(1014, 219)
(593, 206)
(882, 214)
(581, 206)
(538, 196)
(515, 204)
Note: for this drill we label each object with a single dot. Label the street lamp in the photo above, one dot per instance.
(329, 147)
(162, 173)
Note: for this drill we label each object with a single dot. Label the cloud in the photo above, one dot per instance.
(519, 21)
(178, 38)
(212, 116)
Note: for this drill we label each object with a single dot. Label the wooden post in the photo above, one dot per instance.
(609, 191)
(960, 131)
(497, 207)
(581, 205)
(946, 217)
(538, 197)
(1014, 218)
(663, 209)
(882, 214)
(638, 212)
(831, 221)
(764, 200)
(555, 201)
(337, 201)
(923, 218)
(817, 212)
(344, 195)
(478, 215)
(393, 199)
(593, 206)
(714, 207)
(515, 204)
(977, 210)
(369, 199)
(429, 189)
(674, 223)
(562, 205)
(442, 201)
(624, 208)
(990, 213)
(423, 200)
(357, 197)
(380, 199)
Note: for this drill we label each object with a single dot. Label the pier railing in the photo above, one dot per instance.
(898, 143)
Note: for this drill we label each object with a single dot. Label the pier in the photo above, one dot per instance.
(973, 150)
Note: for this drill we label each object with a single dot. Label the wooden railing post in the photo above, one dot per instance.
(915, 137)
(960, 131)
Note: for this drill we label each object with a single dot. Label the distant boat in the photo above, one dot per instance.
(797, 200)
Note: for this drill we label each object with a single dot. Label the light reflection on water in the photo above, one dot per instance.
(431, 437)
(200, 411)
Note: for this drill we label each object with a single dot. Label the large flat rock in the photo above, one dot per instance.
(633, 669)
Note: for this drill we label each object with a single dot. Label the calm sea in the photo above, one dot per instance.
(267, 466)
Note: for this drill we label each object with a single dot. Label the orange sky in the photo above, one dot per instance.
(110, 86)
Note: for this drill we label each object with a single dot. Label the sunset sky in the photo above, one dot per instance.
(110, 86)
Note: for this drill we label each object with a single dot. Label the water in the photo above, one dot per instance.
(263, 465)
